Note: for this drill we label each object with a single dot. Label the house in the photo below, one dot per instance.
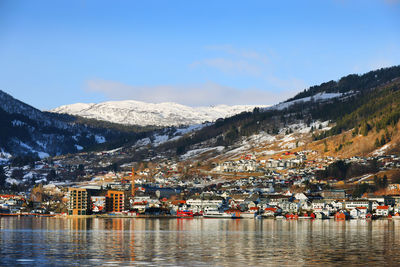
(292, 207)
(318, 205)
(270, 211)
(139, 206)
(301, 196)
(306, 206)
(98, 203)
(276, 200)
(382, 211)
(200, 203)
(358, 213)
(338, 205)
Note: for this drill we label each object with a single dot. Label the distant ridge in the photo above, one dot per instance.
(131, 112)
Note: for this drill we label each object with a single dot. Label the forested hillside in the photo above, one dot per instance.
(26, 130)
(365, 102)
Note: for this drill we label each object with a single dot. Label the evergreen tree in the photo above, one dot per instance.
(365, 128)
(377, 143)
(383, 140)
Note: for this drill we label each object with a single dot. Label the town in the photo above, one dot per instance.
(286, 185)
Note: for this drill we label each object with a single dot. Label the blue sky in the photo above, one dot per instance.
(54, 53)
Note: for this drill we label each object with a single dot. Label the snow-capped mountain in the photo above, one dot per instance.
(132, 112)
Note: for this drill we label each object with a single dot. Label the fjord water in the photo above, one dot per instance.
(203, 242)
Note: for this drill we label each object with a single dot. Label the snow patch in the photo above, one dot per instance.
(113, 150)
(25, 146)
(381, 151)
(263, 137)
(28, 176)
(318, 97)
(196, 152)
(143, 142)
(43, 155)
(100, 139)
(159, 139)
(191, 128)
(43, 180)
(12, 181)
(4, 156)
(78, 147)
(43, 145)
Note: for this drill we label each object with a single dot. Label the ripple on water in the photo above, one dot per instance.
(154, 242)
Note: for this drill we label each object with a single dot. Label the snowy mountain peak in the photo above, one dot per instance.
(132, 112)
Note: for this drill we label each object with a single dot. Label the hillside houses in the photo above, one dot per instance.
(253, 165)
(237, 166)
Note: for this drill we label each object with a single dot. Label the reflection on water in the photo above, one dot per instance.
(222, 242)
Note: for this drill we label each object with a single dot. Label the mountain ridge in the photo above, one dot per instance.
(132, 112)
(27, 130)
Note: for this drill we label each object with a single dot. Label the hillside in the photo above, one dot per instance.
(371, 103)
(358, 121)
(131, 112)
(27, 130)
(352, 83)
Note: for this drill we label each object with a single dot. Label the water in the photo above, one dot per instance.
(202, 242)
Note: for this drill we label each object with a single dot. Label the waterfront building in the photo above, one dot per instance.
(115, 201)
(78, 201)
(200, 203)
(359, 213)
(382, 211)
(352, 204)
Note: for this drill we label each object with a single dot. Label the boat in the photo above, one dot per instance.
(306, 216)
(215, 213)
(184, 214)
(291, 216)
(234, 213)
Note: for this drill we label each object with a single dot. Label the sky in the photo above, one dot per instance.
(195, 53)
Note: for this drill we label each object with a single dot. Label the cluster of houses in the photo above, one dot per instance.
(161, 188)
(251, 164)
(167, 201)
(11, 203)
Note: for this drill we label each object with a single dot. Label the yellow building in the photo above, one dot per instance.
(115, 201)
(78, 201)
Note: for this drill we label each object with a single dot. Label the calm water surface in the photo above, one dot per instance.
(197, 242)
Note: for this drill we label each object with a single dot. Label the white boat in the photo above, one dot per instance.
(215, 213)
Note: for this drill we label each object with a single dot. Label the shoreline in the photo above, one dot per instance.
(118, 216)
